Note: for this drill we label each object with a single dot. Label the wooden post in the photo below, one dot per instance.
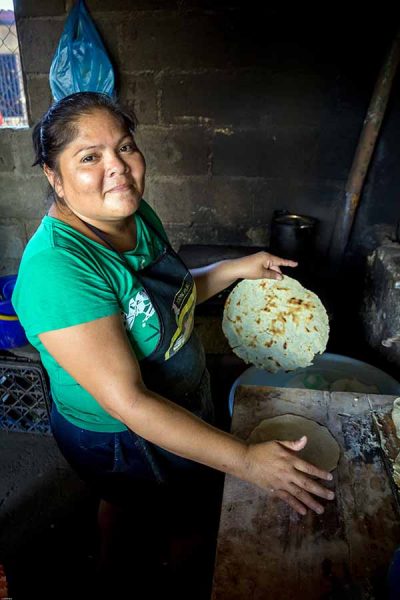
(362, 158)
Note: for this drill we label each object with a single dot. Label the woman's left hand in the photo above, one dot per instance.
(260, 265)
(216, 277)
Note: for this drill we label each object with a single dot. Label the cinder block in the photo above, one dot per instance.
(129, 5)
(30, 227)
(33, 197)
(253, 97)
(297, 196)
(180, 234)
(38, 41)
(109, 28)
(171, 197)
(202, 201)
(174, 151)
(39, 96)
(197, 95)
(230, 202)
(336, 147)
(23, 197)
(258, 236)
(289, 153)
(212, 5)
(174, 40)
(7, 161)
(215, 37)
(44, 8)
(227, 98)
(318, 199)
(23, 152)
(204, 234)
(239, 210)
(138, 94)
(12, 243)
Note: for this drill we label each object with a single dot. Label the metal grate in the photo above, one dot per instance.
(12, 97)
(24, 397)
(10, 102)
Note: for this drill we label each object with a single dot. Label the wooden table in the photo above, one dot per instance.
(266, 551)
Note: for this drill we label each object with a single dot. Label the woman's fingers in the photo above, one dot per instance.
(273, 263)
(283, 262)
(272, 274)
(291, 501)
(299, 499)
(273, 268)
(311, 486)
(302, 465)
(309, 469)
(282, 470)
(273, 271)
(295, 445)
(302, 496)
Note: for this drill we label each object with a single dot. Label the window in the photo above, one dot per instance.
(12, 96)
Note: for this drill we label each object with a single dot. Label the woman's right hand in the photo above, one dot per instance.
(274, 466)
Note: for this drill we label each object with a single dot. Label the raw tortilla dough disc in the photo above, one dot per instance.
(321, 450)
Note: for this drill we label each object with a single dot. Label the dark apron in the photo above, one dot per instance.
(176, 368)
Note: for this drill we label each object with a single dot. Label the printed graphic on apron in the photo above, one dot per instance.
(183, 307)
(139, 306)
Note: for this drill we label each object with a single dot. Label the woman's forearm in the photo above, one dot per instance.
(175, 429)
(271, 465)
(214, 278)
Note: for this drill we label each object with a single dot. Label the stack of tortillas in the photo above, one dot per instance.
(275, 324)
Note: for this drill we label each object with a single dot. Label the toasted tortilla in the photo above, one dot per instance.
(275, 325)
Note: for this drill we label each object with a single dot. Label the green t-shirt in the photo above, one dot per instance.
(65, 279)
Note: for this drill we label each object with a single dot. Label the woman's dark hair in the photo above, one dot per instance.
(58, 126)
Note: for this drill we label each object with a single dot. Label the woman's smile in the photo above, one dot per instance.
(123, 187)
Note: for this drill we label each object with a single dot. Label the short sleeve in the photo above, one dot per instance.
(56, 289)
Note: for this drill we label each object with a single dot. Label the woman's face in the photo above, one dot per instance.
(102, 170)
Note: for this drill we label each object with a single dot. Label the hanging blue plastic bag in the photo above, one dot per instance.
(80, 63)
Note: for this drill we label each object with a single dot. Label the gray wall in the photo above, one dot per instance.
(242, 110)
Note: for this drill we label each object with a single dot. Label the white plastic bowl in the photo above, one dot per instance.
(326, 369)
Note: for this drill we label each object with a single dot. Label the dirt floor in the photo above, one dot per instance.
(48, 534)
(49, 542)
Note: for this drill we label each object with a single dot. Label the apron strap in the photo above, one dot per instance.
(103, 236)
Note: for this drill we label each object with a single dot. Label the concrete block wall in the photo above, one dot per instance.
(242, 110)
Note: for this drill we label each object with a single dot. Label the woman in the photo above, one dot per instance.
(109, 305)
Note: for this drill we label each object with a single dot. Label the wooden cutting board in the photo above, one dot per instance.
(266, 551)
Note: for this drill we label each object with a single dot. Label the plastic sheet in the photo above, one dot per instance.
(80, 63)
